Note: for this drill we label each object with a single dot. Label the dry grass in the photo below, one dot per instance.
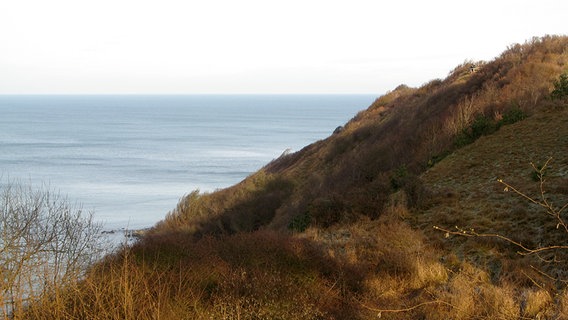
(403, 277)
(263, 275)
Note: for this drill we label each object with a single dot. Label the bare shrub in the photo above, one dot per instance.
(45, 242)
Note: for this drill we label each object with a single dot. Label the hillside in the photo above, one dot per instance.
(352, 173)
(344, 228)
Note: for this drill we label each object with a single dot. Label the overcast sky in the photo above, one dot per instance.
(255, 46)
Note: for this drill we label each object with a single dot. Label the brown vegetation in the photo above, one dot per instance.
(407, 129)
(343, 229)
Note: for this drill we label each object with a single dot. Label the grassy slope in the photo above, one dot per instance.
(466, 193)
(470, 174)
(369, 202)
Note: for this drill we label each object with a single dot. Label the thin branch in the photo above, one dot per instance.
(406, 309)
(473, 233)
(544, 203)
(547, 275)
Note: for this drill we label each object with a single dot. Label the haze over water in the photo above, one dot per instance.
(131, 158)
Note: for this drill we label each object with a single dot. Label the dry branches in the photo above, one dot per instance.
(542, 201)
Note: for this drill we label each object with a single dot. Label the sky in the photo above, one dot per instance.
(254, 46)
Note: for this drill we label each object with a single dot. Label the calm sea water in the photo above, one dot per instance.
(131, 158)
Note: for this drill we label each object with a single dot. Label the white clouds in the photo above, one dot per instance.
(114, 46)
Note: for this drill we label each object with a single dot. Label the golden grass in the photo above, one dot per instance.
(247, 276)
(354, 271)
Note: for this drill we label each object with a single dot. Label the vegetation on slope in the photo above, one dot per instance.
(352, 173)
(343, 229)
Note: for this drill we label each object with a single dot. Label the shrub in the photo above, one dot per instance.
(560, 87)
(416, 193)
(399, 177)
(300, 222)
(437, 158)
(326, 212)
(511, 116)
(481, 125)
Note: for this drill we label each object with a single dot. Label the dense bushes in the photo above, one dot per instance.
(245, 207)
(260, 275)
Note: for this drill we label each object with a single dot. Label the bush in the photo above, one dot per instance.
(560, 88)
(300, 222)
(399, 177)
(481, 126)
(437, 158)
(511, 116)
(416, 192)
(326, 212)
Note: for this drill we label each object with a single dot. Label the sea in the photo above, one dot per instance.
(131, 158)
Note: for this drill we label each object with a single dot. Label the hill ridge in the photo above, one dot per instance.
(351, 173)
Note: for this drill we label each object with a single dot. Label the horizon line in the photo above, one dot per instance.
(188, 94)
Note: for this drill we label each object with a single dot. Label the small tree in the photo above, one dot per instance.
(44, 243)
